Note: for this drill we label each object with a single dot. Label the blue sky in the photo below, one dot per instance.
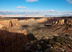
(36, 7)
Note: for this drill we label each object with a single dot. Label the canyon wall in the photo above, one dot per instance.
(60, 22)
(9, 23)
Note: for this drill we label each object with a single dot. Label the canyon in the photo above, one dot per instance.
(16, 34)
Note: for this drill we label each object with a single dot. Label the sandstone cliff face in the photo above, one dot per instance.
(14, 22)
(9, 23)
(1, 26)
(63, 21)
(1, 17)
(41, 20)
(29, 22)
(24, 32)
(32, 20)
(5, 23)
(60, 22)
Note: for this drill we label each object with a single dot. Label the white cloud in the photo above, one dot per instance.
(21, 15)
(48, 13)
(20, 7)
(70, 1)
(31, 0)
(51, 10)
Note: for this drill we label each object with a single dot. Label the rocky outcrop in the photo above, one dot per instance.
(9, 23)
(66, 25)
(1, 17)
(14, 22)
(63, 21)
(41, 20)
(32, 20)
(1, 26)
(29, 22)
(25, 32)
(60, 22)
(5, 23)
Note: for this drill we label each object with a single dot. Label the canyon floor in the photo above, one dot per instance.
(36, 34)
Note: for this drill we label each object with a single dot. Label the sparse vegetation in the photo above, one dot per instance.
(59, 44)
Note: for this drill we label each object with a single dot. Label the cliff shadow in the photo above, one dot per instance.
(13, 42)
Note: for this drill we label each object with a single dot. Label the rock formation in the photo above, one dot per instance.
(9, 23)
(60, 22)
(24, 32)
(1, 17)
(1, 26)
(41, 20)
(29, 22)
(14, 22)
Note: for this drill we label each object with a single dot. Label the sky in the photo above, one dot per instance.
(44, 8)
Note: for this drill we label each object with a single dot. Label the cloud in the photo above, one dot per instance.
(54, 11)
(51, 10)
(48, 13)
(20, 15)
(20, 7)
(70, 1)
(31, 0)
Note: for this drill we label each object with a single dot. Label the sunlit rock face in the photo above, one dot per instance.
(63, 21)
(5, 23)
(29, 22)
(14, 22)
(41, 20)
(60, 22)
(1, 17)
(32, 20)
(1, 26)
(24, 32)
(9, 23)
